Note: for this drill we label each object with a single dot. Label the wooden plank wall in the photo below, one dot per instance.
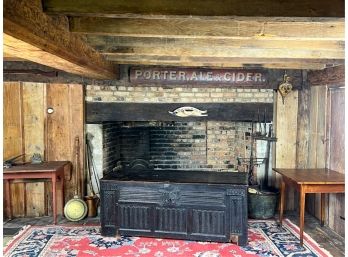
(335, 156)
(326, 149)
(286, 132)
(33, 124)
(323, 135)
(317, 142)
(13, 120)
(14, 138)
(63, 126)
(29, 129)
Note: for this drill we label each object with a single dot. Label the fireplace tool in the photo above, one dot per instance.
(11, 162)
(93, 198)
(76, 209)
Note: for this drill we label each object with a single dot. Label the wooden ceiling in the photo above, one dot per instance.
(297, 34)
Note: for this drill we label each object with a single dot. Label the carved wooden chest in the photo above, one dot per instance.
(192, 205)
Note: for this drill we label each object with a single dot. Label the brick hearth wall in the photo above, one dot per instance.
(177, 145)
(156, 94)
(212, 145)
(111, 146)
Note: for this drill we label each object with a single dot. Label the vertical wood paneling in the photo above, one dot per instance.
(286, 132)
(34, 140)
(302, 150)
(336, 136)
(13, 120)
(303, 124)
(326, 148)
(13, 139)
(63, 125)
(34, 118)
(35, 199)
(28, 130)
(76, 129)
(18, 198)
(313, 124)
(321, 141)
(58, 136)
(317, 142)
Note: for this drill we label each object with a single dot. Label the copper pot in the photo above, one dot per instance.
(91, 205)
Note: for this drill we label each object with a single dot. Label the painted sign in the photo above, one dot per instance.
(181, 76)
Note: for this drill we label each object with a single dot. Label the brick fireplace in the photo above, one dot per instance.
(178, 144)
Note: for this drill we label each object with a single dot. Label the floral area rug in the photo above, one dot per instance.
(265, 239)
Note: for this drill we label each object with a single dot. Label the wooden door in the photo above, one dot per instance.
(335, 154)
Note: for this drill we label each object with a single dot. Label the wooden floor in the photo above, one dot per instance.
(324, 236)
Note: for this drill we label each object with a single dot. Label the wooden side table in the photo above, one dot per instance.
(49, 170)
(309, 181)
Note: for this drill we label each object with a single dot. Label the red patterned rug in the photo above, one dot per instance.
(265, 239)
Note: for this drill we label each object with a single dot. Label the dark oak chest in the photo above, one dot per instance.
(192, 205)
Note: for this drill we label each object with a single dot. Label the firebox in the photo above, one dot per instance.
(173, 145)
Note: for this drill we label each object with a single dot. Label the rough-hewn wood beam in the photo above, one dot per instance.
(333, 76)
(220, 52)
(32, 35)
(216, 27)
(217, 62)
(232, 52)
(116, 43)
(111, 8)
(238, 48)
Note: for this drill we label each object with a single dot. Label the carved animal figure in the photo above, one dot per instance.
(188, 111)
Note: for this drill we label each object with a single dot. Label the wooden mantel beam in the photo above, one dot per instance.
(270, 8)
(32, 35)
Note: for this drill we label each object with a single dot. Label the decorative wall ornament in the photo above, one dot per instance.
(285, 87)
(170, 196)
(188, 111)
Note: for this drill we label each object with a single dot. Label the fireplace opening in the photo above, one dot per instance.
(193, 145)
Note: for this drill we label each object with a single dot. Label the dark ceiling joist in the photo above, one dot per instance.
(32, 35)
(127, 8)
(332, 76)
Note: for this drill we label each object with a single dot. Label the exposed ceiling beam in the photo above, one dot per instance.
(216, 62)
(216, 27)
(333, 76)
(11, 58)
(221, 52)
(32, 35)
(123, 43)
(231, 52)
(122, 8)
(298, 43)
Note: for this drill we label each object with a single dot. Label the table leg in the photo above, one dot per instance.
(302, 211)
(282, 192)
(54, 198)
(322, 209)
(8, 198)
(63, 202)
